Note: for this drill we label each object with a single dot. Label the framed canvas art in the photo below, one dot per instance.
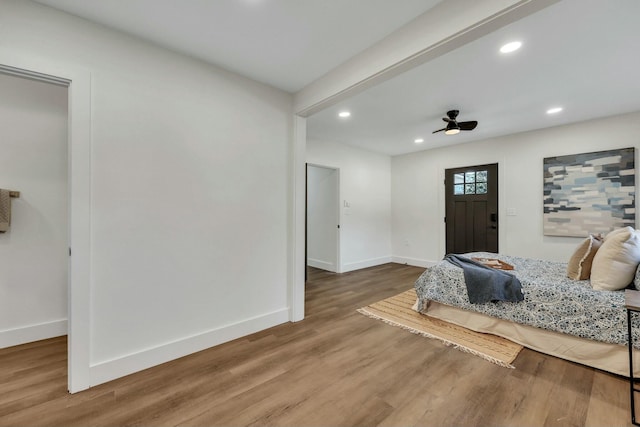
(589, 193)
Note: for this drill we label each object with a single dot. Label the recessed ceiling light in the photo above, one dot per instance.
(511, 47)
(344, 114)
(554, 110)
(418, 140)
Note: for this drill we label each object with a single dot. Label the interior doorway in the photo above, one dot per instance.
(323, 218)
(471, 197)
(78, 84)
(34, 250)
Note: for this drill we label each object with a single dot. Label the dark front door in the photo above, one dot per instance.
(472, 209)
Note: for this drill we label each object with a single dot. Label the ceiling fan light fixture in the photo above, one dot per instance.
(452, 127)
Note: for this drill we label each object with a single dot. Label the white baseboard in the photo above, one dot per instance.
(365, 264)
(323, 265)
(32, 333)
(414, 261)
(111, 369)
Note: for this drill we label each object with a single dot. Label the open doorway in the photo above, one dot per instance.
(34, 248)
(77, 83)
(323, 218)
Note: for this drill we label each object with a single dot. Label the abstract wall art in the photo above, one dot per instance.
(589, 193)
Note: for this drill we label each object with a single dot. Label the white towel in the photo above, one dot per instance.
(5, 210)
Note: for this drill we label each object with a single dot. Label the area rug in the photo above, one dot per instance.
(397, 311)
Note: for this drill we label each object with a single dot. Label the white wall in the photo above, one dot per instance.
(365, 184)
(33, 253)
(322, 218)
(418, 187)
(190, 188)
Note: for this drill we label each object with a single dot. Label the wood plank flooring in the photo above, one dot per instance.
(335, 368)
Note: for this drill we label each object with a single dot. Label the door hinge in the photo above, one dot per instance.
(445, 219)
(69, 251)
(338, 225)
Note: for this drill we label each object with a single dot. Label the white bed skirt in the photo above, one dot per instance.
(612, 358)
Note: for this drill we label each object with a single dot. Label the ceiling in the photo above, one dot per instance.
(578, 54)
(581, 55)
(284, 43)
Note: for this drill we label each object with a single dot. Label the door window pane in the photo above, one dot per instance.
(470, 176)
(470, 182)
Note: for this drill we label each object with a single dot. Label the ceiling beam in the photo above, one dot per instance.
(447, 26)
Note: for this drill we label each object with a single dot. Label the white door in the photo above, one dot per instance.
(323, 218)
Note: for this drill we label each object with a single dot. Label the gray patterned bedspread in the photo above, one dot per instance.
(551, 300)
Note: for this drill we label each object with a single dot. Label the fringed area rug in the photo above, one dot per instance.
(397, 311)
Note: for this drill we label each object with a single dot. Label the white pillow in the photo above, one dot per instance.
(615, 263)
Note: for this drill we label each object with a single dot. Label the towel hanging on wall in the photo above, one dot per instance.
(5, 209)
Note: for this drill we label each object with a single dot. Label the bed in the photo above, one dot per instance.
(558, 316)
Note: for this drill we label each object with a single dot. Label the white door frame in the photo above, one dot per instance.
(338, 260)
(298, 192)
(78, 82)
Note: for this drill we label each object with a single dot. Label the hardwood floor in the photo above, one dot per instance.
(335, 368)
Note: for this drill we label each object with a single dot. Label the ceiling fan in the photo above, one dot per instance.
(453, 126)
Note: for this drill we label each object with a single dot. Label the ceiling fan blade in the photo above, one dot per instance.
(439, 130)
(468, 125)
(446, 119)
